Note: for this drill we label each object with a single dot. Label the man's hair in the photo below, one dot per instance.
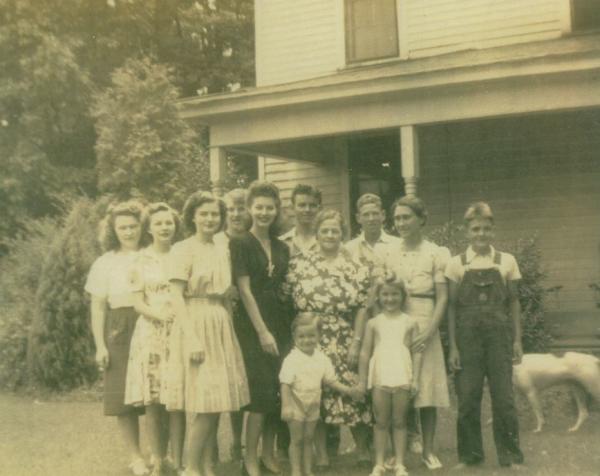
(303, 189)
(479, 210)
(366, 199)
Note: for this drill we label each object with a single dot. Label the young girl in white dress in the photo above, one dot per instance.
(147, 370)
(304, 371)
(214, 375)
(387, 368)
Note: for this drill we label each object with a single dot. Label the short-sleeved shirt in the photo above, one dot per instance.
(149, 275)
(373, 257)
(508, 267)
(421, 268)
(110, 278)
(306, 373)
(205, 267)
(289, 239)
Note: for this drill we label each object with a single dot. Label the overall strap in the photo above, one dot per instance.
(463, 259)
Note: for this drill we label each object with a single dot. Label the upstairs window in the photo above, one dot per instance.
(585, 15)
(371, 30)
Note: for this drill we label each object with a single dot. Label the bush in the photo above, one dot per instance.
(531, 290)
(18, 284)
(60, 353)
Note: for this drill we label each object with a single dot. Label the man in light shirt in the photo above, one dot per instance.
(369, 247)
(306, 203)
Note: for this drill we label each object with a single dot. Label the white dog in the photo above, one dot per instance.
(539, 371)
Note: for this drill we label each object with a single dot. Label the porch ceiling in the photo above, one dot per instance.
(517, 79)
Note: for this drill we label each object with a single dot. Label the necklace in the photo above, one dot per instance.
(266, 246)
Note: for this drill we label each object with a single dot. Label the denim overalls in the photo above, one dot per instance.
(484, 336)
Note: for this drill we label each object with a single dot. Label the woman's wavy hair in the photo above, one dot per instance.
(263, 188)
(415, 204)
(331, 214)
(197, 199)
(152, 209)
(388, 278)
(107, 234)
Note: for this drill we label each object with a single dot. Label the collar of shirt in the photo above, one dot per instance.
(384, 238)
(471, 255)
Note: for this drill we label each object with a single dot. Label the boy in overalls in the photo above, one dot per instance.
(484, 331)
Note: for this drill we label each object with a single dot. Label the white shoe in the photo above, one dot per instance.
(400, 470)
(138, 467)
(378, 470)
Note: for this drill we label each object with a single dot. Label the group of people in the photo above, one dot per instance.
(302, 328)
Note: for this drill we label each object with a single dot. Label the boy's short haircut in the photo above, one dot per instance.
(479, 210)
(366, 199)
(303, 189)
(306, 319)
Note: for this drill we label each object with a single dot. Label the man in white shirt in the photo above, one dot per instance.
(306, 203)
(369, 247)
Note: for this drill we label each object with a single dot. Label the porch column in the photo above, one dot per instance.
(218, 170)
(409, 151)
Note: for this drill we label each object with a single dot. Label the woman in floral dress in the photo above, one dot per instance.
(328, 283)
(150, 345)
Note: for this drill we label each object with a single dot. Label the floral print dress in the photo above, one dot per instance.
(334, 291)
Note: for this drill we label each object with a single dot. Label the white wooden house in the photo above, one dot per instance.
(454, 100)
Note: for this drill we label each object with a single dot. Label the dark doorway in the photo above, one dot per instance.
(374, 167)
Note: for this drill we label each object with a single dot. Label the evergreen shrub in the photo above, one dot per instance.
(61, 349)
(18, 284)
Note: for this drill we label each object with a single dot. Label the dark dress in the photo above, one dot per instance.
(248, 258)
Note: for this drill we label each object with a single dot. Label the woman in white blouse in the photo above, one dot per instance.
(114, 317)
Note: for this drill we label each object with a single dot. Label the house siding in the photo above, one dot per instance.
(443, 26)
(297, 40)
(540, 175)
(325, 176)
(305, 38)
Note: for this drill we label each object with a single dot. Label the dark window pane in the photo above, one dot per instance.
(585, 14)
(371, 29)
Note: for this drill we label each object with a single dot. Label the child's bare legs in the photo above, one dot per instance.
(309, 436)
(254, 428)
(130, 429)
(321, 444)
(296, 446)
(199, 441)
(382, 407)
(156, 432)
(428, 424)
(176, 436)
(400, 405)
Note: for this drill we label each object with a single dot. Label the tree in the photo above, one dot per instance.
(60, 344)
(46, 133)
(143, 146)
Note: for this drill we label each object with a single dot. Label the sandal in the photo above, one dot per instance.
(138, 467)
(378, 470)
(432, 462)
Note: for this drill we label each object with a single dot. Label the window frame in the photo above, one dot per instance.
(347, 38)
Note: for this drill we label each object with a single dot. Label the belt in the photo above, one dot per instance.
(422, 296)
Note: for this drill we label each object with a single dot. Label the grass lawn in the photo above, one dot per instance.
(69, 436)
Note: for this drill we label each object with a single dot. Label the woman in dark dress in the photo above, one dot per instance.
(260, 264)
